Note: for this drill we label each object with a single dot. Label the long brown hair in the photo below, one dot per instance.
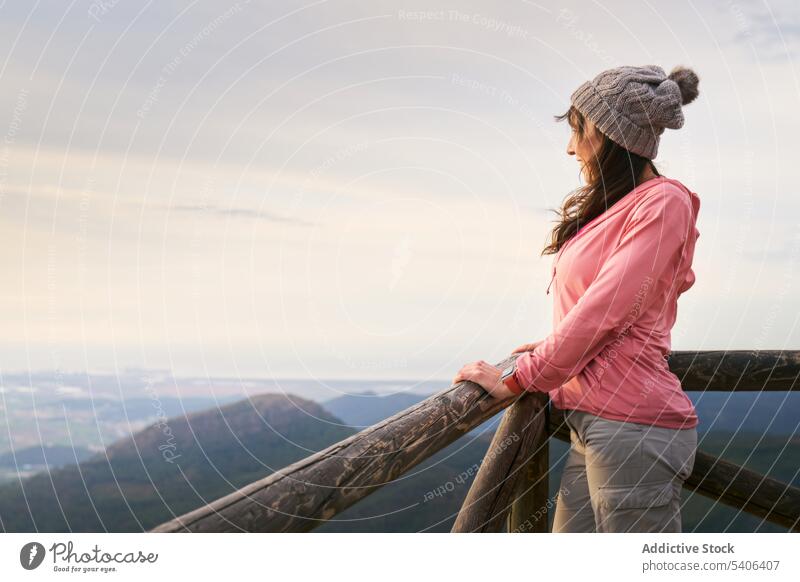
(612, 173)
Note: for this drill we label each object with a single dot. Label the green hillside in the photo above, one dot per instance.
(176, 466)
(172, 467)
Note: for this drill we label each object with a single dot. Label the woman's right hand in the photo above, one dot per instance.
(526, 347)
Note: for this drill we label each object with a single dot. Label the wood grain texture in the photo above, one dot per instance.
(518, 443)
(737, 370)
(532, 492)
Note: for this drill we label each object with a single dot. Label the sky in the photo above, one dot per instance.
(361, 190)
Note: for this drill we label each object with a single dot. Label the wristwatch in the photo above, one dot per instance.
(510, 380)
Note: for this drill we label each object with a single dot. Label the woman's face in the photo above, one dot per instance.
(584, 147)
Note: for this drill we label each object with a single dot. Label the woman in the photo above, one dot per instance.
(624, 247)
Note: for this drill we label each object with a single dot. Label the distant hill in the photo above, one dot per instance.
(172, 467)
(28, 461)
(45, 456)
(50, 418)
(218, 451)
(773, 412)
(364, 409)
(168, 469)
(110, 410)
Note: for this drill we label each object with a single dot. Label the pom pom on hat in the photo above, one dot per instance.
(687, 80)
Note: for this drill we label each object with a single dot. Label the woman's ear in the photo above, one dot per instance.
(589, 129)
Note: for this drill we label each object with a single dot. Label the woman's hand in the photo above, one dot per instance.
(485, 375)
(527, 347)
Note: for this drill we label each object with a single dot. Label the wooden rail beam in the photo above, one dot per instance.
(737, 370)
(747, 490)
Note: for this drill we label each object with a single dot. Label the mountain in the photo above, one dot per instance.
(770, 412)
(129, 409)
(364, 409)
(45, 416)
(171, 467)
(179, 464)
(27, 461)
(44, 456)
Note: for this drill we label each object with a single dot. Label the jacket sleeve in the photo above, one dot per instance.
(649, 250)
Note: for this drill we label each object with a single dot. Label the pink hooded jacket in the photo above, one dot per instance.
(616, 287)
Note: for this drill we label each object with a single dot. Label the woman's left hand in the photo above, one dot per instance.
(485, 375)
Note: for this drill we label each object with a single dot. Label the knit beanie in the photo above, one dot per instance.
(633, 105)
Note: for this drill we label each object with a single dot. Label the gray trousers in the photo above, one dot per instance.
(622, 476)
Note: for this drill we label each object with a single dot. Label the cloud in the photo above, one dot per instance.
(247, 213)
(772, 29)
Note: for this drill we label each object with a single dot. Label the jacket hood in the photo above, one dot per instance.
(694, 197)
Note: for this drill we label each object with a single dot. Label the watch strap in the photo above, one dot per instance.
(512, 383)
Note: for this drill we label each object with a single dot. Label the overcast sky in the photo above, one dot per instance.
(358, 189)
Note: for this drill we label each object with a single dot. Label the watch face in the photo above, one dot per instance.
(507, 371)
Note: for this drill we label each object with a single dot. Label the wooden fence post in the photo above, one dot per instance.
(532, 501)
(516, 461)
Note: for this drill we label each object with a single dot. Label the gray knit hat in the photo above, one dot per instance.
(633, 105)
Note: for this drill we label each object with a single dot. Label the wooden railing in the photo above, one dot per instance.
(510, 489)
